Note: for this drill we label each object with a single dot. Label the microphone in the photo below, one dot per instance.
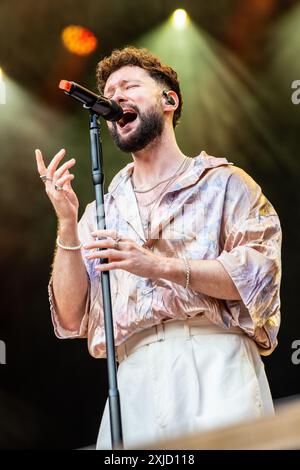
(100, 105)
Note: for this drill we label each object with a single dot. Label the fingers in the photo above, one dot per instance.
(110, 239)
(52, 168)
(40, 162)
(55, 162)
(68, 183)
(58, 173)
(64, 180)
(60, 176)
(110, 266)
(106, 243)
(111, 254)
(105, 233)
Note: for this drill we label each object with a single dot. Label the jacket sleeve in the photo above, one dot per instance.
(251, 247)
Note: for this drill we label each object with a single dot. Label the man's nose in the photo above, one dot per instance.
(119, 96)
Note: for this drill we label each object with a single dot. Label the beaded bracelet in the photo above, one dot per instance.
(69, 248)
(188, 272)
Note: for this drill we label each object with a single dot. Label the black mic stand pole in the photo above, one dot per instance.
(98, 181)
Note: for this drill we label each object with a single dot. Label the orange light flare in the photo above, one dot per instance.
(79, 40)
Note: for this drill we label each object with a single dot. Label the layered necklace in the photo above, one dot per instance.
(147, 220)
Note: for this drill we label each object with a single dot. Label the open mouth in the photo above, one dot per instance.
(128, 116)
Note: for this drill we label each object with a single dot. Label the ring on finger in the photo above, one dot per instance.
(116, 244)
(45, 178)
(58, 188)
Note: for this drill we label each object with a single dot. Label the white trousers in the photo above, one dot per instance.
(185, 377)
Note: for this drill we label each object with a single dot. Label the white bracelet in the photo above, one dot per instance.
(69, 248)
(188, 272)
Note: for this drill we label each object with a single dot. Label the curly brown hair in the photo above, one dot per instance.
(146, 60)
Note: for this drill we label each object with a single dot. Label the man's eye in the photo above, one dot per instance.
(130, 86)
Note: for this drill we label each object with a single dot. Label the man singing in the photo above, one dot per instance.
(193, 250)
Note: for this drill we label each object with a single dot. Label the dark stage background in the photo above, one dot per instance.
(237, 61)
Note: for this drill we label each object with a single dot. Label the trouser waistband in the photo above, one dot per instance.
(171, 329)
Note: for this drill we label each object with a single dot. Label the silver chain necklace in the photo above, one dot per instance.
(147, 224)
(161, 182)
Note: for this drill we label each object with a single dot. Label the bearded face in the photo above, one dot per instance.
(136, 129)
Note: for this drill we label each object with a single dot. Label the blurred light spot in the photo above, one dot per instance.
(79, 40)
(2, 89)
(180, 18)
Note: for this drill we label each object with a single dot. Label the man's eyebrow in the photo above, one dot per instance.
(122, 82)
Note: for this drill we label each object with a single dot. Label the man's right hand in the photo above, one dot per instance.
(69, 281)
(64, 200)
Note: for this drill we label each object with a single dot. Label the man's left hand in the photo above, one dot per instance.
(123, 253)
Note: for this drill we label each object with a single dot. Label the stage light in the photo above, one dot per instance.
(180, 18)
(211, 79)
(2, 89)
(79, 40)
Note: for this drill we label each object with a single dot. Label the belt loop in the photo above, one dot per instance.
(160, 332)
(187, 329)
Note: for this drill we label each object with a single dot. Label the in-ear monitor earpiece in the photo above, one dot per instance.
(169, 99)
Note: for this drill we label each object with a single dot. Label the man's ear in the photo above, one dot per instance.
(171, 97)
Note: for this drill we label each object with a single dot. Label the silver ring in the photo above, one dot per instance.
(45, 178)
(58, 188)
(116, 244)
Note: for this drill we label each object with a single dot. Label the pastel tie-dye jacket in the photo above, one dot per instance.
(213, 211)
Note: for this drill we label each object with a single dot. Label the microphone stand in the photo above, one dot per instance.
(98, 181)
